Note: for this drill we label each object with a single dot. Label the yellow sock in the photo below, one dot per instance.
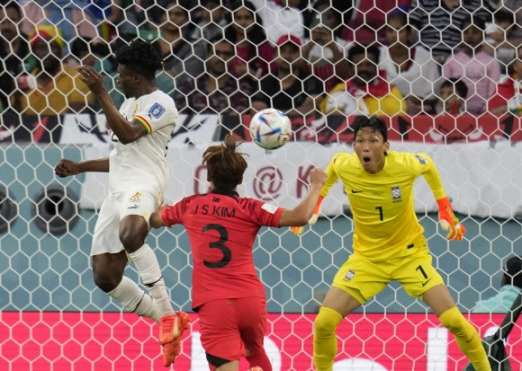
(325, 340)
(467, 338)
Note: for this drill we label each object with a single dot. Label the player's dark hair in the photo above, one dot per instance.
(374, 122)
(513, 271)
(225, 166)
(459, 87)
(141, 57)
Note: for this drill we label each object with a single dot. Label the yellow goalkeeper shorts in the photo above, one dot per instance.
(363, 278)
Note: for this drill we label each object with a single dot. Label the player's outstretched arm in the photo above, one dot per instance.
(300, 214)
(297, 230)
(66, 167)
(448, 221)
(155, 220)
(331, 179)
(126, 131)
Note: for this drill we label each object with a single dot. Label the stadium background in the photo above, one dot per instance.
(52, 317)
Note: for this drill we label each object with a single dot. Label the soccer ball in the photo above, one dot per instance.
(270, 128)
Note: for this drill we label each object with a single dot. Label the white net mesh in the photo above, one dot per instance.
(450, 89)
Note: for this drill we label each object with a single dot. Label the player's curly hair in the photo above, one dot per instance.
(225, 166)
(141, 57)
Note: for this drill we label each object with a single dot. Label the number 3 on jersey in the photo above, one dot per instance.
(219, 244)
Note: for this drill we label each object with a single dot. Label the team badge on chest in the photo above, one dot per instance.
(396, 194)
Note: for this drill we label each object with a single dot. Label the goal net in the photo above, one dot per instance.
(53, 317)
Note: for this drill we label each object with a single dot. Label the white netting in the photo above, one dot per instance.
(459, 106)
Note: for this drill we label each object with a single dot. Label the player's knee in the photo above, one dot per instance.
(326, 322)
(106, 281)
(454, 321)
(108, 270)
(132, 239)
(133, 231)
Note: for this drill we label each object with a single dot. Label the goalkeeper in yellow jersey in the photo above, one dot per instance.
(388, 241)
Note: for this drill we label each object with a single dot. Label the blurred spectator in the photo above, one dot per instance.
(121, 18)
(453, 94)
(368, 18)
(216, 91)
(479, 70)
(410, 68)
(500, 41)
(281, 18)
(511, 285)
(509, 91)
(212, 20)
(14, 50)
(289, 88)
(69, 15)
(516, 7)
(51, 88)
(324, 51)
(245, 30)
(439, 23)
(368, 91)
(92, 52)
(180, 53)
(97, 54)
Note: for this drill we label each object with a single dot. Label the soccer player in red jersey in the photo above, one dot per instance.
(222, 227)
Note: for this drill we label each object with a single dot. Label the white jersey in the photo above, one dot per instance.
(142, 164)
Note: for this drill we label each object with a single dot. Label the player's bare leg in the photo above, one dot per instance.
(108, 276)
(230, 366)
(133, 231)
(440, 301)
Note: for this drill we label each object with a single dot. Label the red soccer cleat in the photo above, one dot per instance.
(171, 331)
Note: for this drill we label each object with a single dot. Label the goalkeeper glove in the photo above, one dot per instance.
(449, 222)
(298, 230)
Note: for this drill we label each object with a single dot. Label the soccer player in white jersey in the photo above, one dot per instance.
(138, 176)
(388, 241)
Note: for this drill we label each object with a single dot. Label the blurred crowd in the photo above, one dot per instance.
(236, 57)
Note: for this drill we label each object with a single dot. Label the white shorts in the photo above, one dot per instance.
(115, 207)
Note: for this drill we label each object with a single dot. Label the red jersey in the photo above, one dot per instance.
(222, 229)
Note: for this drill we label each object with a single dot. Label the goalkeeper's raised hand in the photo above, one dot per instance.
(298, 230)
(449, 222)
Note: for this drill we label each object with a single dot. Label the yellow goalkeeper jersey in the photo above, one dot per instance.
(382, 204)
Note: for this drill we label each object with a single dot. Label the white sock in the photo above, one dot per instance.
(134, 299)
(148, 268)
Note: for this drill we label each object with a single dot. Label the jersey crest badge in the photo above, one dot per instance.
(349, 275)
(157, 110)
(396, 194)
(135, 197)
